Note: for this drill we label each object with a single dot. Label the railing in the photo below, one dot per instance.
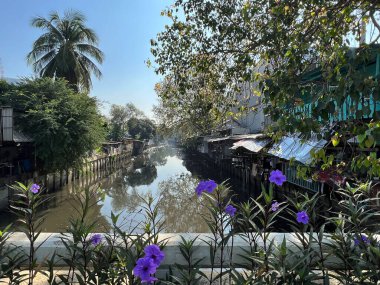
(291, 177)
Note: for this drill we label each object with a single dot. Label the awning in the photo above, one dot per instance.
(254, 145)
(294, 147)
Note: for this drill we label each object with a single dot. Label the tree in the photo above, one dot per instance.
(280, 45)
(141, 128)
(271, 42)
(66, 50)
(189, 112)
(65, 126)
(118, 122)
(134, 112)
(119, 116)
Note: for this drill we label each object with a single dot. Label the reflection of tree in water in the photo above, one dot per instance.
(180, 206)
(128, 200)
(68, 202)
(142, 176)
(158, 156)
(122, 188)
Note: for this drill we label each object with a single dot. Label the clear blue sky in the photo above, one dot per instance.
(124, 28)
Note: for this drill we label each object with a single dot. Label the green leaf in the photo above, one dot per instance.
(335, 140)
(369, 141)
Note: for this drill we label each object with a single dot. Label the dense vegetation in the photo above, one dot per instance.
(65, 126)
(277, 44)
(128, 121)
(348, 254)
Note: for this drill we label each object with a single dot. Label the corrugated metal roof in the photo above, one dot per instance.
(254, 145)
(20, 137)
(238, 137)
(248, 136)
(294, 147)
(218, 139)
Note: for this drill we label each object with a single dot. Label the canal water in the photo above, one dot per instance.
(166, 175)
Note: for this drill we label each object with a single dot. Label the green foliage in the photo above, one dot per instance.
(119, 117)
(66, 49)
(297, 53)
(26, 205)
(189, 274)
(64, 125)
(220, 225)
(193, 108)
(143, 129)
(10, 259)
(351, 245)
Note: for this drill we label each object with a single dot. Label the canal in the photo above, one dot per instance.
(167, 175)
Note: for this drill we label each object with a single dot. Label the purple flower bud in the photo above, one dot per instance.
(363, 238)
(35, 188)
(96, 239)
(302, 217)
(154, 252)
(230, 210)
(144, 268)
(275, 206)
(277, 177)
(207, 186)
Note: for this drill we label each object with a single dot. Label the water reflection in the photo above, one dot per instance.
(65, 205)
(179, 206)
(160, 173)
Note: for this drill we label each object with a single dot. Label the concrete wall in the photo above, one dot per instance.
(51, 242)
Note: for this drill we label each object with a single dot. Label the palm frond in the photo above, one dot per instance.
(40, 63)
(91, 51)
(85, 61)
(66, 49)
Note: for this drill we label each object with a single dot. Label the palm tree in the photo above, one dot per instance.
(66, 49)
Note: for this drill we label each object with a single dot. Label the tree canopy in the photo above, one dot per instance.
(143, 129)
(67, 49)
(119, 117)
(273, 42)
(299, 52)
(65, 126)
(189, 112)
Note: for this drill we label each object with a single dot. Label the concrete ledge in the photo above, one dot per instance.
(51, 242)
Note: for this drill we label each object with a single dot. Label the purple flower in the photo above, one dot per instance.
(275, 206)
(96, 239)
(230, 210)
(154, 252)
(144, 268)
(207, 186)
(149, 279)
(302, 217)
(363, 238)
(277, 177)
(35, 188)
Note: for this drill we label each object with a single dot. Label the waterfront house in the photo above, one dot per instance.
(16, 149)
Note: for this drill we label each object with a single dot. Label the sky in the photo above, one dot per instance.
(124, 28)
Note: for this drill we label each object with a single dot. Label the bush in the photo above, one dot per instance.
(64, 125)
(119, 257)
